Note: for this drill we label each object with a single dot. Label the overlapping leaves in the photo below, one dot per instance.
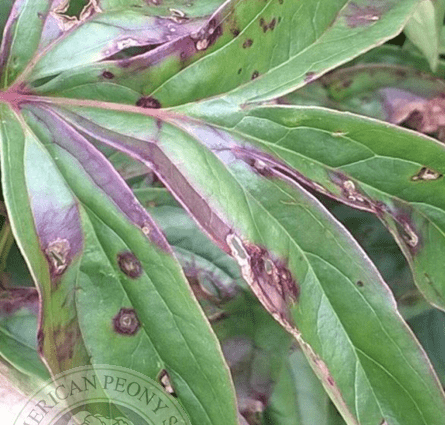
(83, 80)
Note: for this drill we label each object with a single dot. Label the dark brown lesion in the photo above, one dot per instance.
(278, 290)
(148, 102)
(126, 322)
(129, 264)
(247, 43)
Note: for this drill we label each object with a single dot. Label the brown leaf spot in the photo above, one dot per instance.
(108, 75)
(255, 74)
(148, 102)
(272, 24)
(247, 43)
(360, 283)
(206, 36)
(126, 322)
(235, 32)
(129, 264)
(267, 26)
(165, 381)
(56, 254)
(426, 174)
(240, 70)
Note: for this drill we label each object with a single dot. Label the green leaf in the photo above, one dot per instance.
(21, 37)
(90, 77)
(5, 9)
(425, 27)
(254, 344)
(302, 265)
(364, 163)
(200, 49)
(428, 328)
(105, 256)
(299, 398)
(396, 55)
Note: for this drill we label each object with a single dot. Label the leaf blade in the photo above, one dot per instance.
(243, 212)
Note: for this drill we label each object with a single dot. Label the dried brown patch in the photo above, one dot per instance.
(426, 116)
(207, 36)
(426, 174)
(66, 21)
(57, 253)
(269, 278)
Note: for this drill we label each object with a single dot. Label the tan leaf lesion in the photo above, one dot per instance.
(66, 21)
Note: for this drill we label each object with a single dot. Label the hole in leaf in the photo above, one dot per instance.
(131, 52)
(165, 381)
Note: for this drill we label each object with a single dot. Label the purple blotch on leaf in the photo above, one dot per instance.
(255, 74)
(362, 16)
(126, 322)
